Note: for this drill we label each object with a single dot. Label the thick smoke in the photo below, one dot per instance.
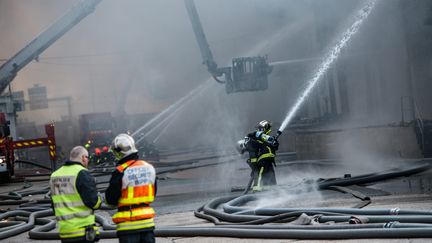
(137, 56)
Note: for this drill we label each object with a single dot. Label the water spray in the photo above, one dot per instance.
(363, 13)
(164, 122)
(168, 125)
(300, 60)
(173, 107)
(162, 116)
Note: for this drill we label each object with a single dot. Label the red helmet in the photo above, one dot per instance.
(105, 148)
(97, 151)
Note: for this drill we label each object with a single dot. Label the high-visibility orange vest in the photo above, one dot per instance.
(134, 211)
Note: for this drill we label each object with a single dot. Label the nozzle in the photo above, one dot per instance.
(278, 133)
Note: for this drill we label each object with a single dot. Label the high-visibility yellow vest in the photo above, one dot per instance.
(72, 214)
(134, 211)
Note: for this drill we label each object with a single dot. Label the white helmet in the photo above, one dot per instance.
(264, 126)
(123, 145)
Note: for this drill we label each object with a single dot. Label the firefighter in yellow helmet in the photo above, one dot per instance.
(262, 151)
(74, 198)
(132, 189)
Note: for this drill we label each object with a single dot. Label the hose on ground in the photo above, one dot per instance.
(248, 186)
(28, 162)
(236, 220)
(358, 180)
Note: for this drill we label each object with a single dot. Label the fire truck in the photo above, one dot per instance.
(10, 69)
(8, 147)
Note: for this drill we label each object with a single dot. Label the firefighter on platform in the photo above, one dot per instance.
(262, 150)
(132, 189)
(74, 198)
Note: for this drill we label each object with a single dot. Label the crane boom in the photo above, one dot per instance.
(204, 47)
(246, 73)
(31, 51)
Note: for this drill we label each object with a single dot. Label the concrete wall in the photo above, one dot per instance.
(370, 142)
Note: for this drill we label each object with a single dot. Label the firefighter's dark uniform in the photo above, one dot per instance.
(262, 149)
(74, 198)
(132, 188)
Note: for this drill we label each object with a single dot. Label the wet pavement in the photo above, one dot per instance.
(182, 192)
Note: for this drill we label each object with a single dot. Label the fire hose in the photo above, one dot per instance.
(236, 220)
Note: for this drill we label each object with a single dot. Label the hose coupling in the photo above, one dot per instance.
(316, 218)
(391, 224)
(394, 211)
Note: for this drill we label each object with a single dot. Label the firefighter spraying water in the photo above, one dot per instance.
(260, 145)
(262, 148)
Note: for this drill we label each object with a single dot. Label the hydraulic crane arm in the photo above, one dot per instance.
(31, 51)
(246, 73)
(204, 47)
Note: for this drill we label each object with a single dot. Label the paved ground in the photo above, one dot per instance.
(182, 192)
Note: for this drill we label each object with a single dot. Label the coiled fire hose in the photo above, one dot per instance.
(236, 220)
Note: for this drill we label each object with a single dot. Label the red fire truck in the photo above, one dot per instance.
(8, 146)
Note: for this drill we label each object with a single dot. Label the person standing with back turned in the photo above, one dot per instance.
(74, 198)
(132, 188)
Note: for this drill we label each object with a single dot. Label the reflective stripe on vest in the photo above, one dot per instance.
(134, 214)
(136, 195)
(72, 214)
(77, 233)
(123, 166)
(137, 189)
(138, 224)
(73, 234)
(68, 204)
(75, 215)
